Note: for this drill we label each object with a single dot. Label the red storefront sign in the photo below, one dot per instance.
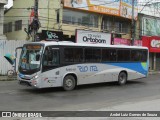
(153, 43)
(137, 42)
(121, 41)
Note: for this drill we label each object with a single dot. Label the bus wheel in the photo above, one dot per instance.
(122, 78)
(69, 83)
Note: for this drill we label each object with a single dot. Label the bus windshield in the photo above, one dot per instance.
(30, 58)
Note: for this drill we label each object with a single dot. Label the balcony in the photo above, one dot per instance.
(3, 1)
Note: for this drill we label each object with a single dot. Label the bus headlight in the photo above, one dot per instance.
(35, 77)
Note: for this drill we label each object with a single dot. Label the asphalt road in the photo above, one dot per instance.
(14, 97)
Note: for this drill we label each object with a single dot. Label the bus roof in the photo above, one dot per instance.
(68, 43)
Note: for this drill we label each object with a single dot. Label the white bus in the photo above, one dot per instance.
(62, 64)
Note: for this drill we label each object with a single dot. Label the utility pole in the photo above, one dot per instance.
(36, 24)
(132, 25)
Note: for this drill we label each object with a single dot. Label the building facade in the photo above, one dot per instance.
(19, 17)
(2, 3)
(149, 31)
(104, 16)
(67, 15)
(149, 7)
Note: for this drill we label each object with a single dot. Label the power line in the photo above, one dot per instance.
(44, 17)
(104, 3)
(64, 10)
(28, 8)
(137, 30)
(145, 5)
(68, 23)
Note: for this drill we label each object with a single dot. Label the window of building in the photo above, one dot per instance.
(125, 27)
(122, 27)
(10, 27)
(18, 25)
(79, 21)
(116, 24)
(58, 15)
(106, 24)
(80, 18)
(5, 28)
(67, 19)
(117, 27)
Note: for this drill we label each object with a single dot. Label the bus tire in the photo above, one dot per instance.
(122, 78)
(69, 83)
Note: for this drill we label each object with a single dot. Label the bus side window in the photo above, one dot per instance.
(105, 55)
(45, 57)
(92, 54)
(113, 55)
(97, 55)
(51, 57)
(123, 55)
(68, 54)
(136, 55)
(55, 59)
(144, 56)
(73, 54)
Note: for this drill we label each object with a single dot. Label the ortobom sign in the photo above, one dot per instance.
(84, 36)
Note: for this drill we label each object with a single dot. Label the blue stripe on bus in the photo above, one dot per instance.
(139, 67)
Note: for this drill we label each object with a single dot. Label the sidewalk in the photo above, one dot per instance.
(6, 78)
(153, 72)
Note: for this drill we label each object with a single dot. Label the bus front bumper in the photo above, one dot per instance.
(25, 83)
(31, 82)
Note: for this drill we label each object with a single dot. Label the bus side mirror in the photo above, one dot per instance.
(37, 57)
(10, 58)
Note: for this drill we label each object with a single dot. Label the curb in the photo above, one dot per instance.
(7, 79)
(155, 72)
